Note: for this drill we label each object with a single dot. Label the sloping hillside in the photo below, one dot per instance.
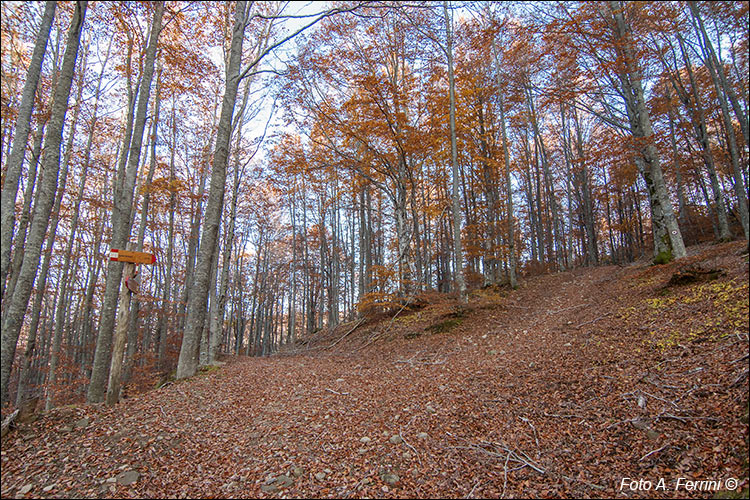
(587, 383)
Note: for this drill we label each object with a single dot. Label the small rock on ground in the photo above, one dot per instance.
(128, 477)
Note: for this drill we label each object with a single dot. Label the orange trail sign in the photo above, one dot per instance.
(131, 256)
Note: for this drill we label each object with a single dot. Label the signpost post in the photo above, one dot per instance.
(129, 286)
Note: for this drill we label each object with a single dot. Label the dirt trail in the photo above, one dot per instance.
(548, 391)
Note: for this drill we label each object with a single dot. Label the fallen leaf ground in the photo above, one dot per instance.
(562, 388)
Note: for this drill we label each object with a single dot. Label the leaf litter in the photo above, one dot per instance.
(561, 388)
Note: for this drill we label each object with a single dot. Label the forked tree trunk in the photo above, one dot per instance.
(668, 242)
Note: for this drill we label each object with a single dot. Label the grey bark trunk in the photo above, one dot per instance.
(512, 264)
(45, 199)
(701, 132)
(135, 302)
(189, 351)
(668, 242)
(23, 223)
(121, 218)
(18, 149)
(724, 89)
(458, 255)
(51, 233)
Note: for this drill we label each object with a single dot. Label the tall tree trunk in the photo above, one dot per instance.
(586, 198)
(458, 255)
(23, 223)
(23, 128)
(51, 234)
(135, 305)
(701, 132)
(45, 199)
(712, 60)
(512, 264)
(167, 307)
(189, 351)
(21, 236)
(121, 226)
(668, 242)
(724, 89)
(195, 226)
(548, 183)
(682, 216)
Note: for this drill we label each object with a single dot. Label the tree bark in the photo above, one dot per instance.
(726, 87)
(701, 132)
(121, 332)
(18, 149)
(668, 242)
(189, 351)
(121, 222)
(512, 264)
(45, 199)
(458, 255)
(723, 89)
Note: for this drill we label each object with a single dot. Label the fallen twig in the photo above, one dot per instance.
(743, 358)
(684, 418)
(652, 452)
(660, 399)
(411, 447)
(472, 490)
(592, 321)
(739, 379)
(531, 463)
(536, 439)
(505, 473)
(592, 485)
(356, 325)
(336, 392)
(563, 416)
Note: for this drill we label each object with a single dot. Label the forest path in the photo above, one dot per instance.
(551, 390)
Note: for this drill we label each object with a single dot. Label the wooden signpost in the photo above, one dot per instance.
(131, 256)
(129, 286)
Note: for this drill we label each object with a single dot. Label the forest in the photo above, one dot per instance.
(302, 171)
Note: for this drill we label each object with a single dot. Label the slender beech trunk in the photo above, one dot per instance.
(121, 227)
(51, 234)
(135, 304)
(712, 60)
(21, 236)
(548, 184)
(682, 216)
(512, 264)
(189, 351)
(196, 213)
(724, 90)
(668, 242)
(18, 149)
(23, 223)
(167, 307)
(586, 198)
(44, 201)
(701, 132)
(458, 255)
